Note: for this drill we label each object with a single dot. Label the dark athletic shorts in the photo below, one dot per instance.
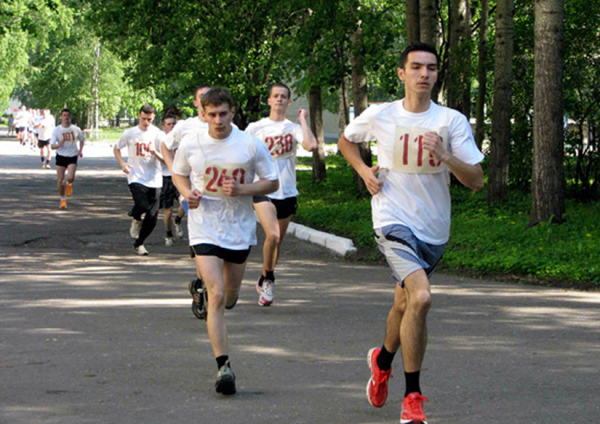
(285, 207)
(43, 143)
(65, 161)
(168, 193)
(228, 255)
(20, 129)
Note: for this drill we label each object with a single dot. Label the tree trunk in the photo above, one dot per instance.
(428, 23)
(413, 28)
(315, 106)
(459, 72)
(482, 78)
(344, 108)
(96, 90)
(547, 182)
(361, 101)
(500, 143)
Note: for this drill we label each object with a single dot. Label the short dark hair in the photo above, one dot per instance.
(418, 47)
(169, 116)
(148, 109)
(65, 110)
(282, 85)
(216, 97)
(172, 110)
(200, 87)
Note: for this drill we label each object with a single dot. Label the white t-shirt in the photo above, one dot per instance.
(22, 119)
(415, 189)
(46, 127)
(183, 128)
(282, 139)
(140, 145)
(228, 222)
(69, 135)
(163, 166)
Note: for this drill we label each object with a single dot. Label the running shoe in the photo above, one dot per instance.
(48, 166)
(412, 409)
(134, 230)
(265, 293)
(43, 166)
(169, 241)
(63, 204)
(69, 190)
(225, 383)
(141, 250)
(377, 387)
(200, 299)
(178, 229)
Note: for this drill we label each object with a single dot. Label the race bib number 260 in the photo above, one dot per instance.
(409, 154)
(215, 174)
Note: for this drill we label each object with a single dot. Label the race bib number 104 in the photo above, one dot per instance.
(409, 154)
(215, 174)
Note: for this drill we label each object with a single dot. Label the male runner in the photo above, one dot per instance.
(144, 175)
(45, 128)
(222, 163)
(169, 193)
(275, 210)
(64, 141)
(21, 121)
(418, 143)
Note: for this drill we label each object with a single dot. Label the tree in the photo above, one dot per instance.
(481, 74)
(459, 70)
(547, 192)
(413, 28)
(428, 22)
(500, 143)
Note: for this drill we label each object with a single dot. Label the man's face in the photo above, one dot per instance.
(219, 120)
(145, 120)
(420, 72)
(168, 124)
(279, 99)
(197, 100)
(65, 119)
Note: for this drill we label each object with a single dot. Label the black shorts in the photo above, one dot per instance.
(65, 161)
(285, 207)
(20, 129)
(168, 193)
(43, 143)
(228, 255)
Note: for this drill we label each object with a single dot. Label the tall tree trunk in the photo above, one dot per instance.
(361, 101)
(315, 106)
(344, 108)
(459, 72)
(547, 182)
(500, 143)
(482, 77)
(96, 90)
(427, 22)
(413, 27)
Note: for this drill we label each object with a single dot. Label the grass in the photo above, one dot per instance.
(485, 240)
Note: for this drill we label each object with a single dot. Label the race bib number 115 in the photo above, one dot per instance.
(409, 154)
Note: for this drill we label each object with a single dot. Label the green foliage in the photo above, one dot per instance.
(484, 239)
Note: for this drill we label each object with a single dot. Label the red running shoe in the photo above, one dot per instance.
(412, 409)
(377, 387)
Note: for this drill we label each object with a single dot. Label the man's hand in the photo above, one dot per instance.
(126, 167)
(302, 113)
(231, 187)
(80, 154)
(373, 183)
(433, 144)
(193, 199)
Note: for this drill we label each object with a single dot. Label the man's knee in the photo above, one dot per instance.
(216, 299)
(420, 301)
(273, 237)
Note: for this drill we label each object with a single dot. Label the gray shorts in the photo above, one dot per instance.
(405, 253)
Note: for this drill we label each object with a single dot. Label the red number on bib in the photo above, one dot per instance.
(289, 143)
(241, 173)
(215, 176)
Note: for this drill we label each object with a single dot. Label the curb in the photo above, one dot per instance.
(339, 245)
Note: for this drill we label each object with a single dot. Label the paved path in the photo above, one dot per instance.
(91, 333)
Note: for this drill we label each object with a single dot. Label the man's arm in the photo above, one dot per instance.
(167, 156)
(124, 165)
(368, 174)
(309, 142)
(259, 188)
(470, 176)
(184, 186)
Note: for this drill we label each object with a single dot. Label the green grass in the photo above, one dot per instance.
(485, 240)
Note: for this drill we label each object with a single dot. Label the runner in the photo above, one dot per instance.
(45, 128)
(275, 210)
(169, 193)
(221, 162)
(64, 141)
(418, 143)
(11, 125)
(144, 175)
(21, 121)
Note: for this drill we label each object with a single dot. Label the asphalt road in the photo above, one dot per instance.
(91, 333)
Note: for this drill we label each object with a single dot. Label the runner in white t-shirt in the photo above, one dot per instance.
(169, 193)
(144, 174)
(221, 164)
(275, 210)
(418, 143)
(64, 140)
(45, 128)
(21, 122)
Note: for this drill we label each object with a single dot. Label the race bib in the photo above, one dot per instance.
(409, 154)
(215, 174)
(143, 149)
(281, 146)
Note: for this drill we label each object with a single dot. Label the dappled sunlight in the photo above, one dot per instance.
(103, 303)
(547, 318)
(52, 331)
(294, 354)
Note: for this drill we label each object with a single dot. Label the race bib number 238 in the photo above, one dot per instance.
(409, 154)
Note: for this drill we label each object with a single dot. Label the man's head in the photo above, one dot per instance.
(200, 91)
(168, 122)
(146, 116)
(218, 111)
(418, 68)
(65, 117)
(279, 97)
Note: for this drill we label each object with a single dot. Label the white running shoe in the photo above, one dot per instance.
(134, 230)
(178, 230)
(141, 250)
(169, 241)
(266, 295)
